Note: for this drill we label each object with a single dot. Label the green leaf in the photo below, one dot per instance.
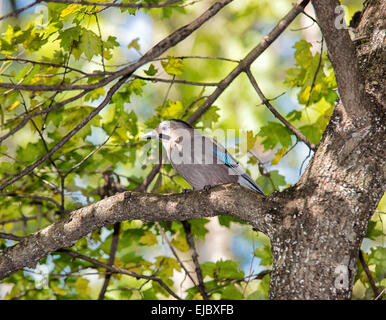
(69, 37)
(168, 265)
(151, 71)
(294, 115)
(197, 227)
(89, 44)
(372, 233)
(208, 269)
(265, 254)
(111, 43)
(70, 9)
(303, 54)
(228, 269)
(180, 243)
(210, 117)
(231, 293)
(226, 220)
(279, 154)
(275, 133)
(82, 287)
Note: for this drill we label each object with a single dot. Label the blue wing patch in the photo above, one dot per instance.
(225, 158)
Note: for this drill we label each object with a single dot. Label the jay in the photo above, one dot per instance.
(200, 160)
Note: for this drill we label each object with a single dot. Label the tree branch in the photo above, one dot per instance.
(114, 269)
(265, 101)
(344, 60)
(245, 63)
(189, 238)
(67, 137)
(260, 212)
(368, 274)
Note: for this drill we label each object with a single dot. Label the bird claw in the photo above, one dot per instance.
(187, 191)
(207, 187)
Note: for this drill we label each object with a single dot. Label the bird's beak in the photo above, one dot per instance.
(150, 135)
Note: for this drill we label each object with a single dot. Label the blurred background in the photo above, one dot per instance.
(231, 34)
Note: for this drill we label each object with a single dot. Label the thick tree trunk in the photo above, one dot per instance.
(316, 248)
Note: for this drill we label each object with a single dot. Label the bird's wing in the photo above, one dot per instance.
(225, 157)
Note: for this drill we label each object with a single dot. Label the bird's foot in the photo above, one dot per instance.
(207, 187)
(187, 191)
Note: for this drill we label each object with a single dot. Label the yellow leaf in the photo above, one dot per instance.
(70, 9)
(250, 140)
(81, 286)
(13, 106)
(172, 109)
(134, 44)
(133, 267)
(59, 291)
(173, 66)
(8, 226)
(180, 243)
(148, 239)
(279, 154)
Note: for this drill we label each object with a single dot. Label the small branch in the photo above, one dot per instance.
(258, 276)
(30, 196)
(294, 130)
(189, 238)
(191, 83)
(164, 236)
(10, 236)
(316, 72)
(169, 3)
(114, 269)
(18, 11)
(368, 274)
(245, 63)
(113, 251)
(342, 53)
(67, 137)
(44, 111)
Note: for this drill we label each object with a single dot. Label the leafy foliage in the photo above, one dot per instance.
(78, 47)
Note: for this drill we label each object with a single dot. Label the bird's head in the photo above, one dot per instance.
(167, 130)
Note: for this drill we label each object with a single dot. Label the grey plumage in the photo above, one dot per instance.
(199, 159)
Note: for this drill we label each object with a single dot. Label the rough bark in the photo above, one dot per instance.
(255, 209)
(317, 226)
(316, 248)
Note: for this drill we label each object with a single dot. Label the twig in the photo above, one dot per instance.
(9, 236)
(92, 152)
(113, 251)
(189, 238)
(114, 269)
(305, 159)
(100, 38)
(169, 3)
(164, 236)
(245, 63)
(368, 274)
(168, 42)
(191, 83)
(16, 12)
(67, 137)
(258, 276)
(30, 196)
(316, 72)
(294, 130)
